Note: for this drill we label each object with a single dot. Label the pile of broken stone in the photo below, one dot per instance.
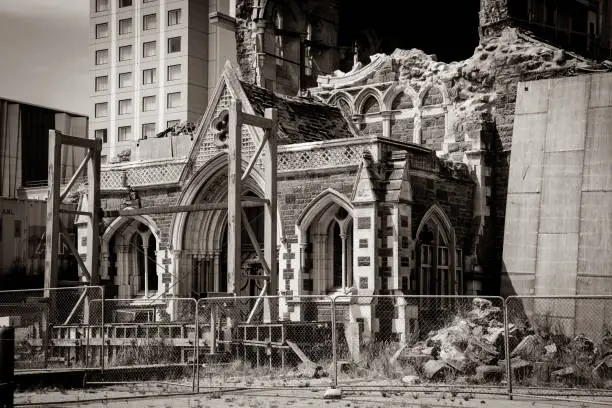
(473, 348)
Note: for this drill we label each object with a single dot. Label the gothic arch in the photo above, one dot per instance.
(438, 87)
(119, 222)
(196, 184)
(437, 214)
(342, 97)
(395, 91)
(318, 204)
(364, 95)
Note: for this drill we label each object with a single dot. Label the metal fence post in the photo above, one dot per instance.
(103, 336)
(507, 349)
(334, 342)
(196, 349)
(7, 366)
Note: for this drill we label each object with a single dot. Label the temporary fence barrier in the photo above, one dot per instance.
(560, 342)
(52, 326)
(420, 340)
(264, 341)
(149, 340)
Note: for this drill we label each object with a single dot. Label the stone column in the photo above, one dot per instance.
(105, 266)
(145, 248)
(386, 123)
(216, 270)
(123, 278)
(343, 238)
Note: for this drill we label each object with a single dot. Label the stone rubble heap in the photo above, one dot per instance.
(473, 347)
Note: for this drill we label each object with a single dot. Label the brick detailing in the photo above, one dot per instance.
(433, 131)
(373, 128)
(402, 130)
(363, 243)
(363, 261)
(364, 223)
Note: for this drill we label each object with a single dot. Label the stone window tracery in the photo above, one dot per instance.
(279, 50)
(308, 51)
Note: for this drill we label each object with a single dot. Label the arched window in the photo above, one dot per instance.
(279, 50)
(308, 51)
(370, 106)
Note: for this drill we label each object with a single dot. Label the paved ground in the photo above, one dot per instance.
(295, 398)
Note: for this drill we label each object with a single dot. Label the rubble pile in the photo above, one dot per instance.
(473, 347)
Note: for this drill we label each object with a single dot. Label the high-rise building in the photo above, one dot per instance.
(153, 65)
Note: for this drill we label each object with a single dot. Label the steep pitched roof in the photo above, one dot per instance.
(300, 120)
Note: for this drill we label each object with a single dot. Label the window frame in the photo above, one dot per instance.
(153, 76)
(96, 83)
(178, 14)
(98, 26)
(149, 97)
(174, 123)
(142, 130)
(128, 133)
(170, 95)
(104, 134)
(121, 75)
(121, 28)
(180, 71)
(144, 46)
(123, 47)
(144, 22)
(122, 103)
(122, 5)
(99, 9)
(96, 112)
(179, 44)
(98, 54)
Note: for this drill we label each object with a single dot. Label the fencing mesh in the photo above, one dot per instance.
(265, 342)
(53, 326)
(150, 340)
(456, 340)
(560, 342)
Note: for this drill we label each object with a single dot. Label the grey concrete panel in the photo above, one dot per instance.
(567, 109)
(532, 97)
(595, 252)
(517, 284)
(601, 90)
(598, 151)
(556, 264)
(527, 153)
(562, 179)
(521, 238)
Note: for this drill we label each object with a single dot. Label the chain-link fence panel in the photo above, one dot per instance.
(52, 326)
(264, 341)
(560, 341)
(420, 340)
(149, 341)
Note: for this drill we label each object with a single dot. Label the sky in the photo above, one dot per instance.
(44, 53)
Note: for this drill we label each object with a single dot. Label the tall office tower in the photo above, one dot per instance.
(154, 63)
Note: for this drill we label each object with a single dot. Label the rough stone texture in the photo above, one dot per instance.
(403, 130)
(433, 132)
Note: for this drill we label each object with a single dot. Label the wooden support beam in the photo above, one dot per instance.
(254, 158)
(79, 141)
(270, 209)
(234, 208)
(53, 202)
(253, 237)
(66, 236)
(179, 208)
(76, 175)
(252, 120)
(74, 212)
(76, 305)
(94, 204)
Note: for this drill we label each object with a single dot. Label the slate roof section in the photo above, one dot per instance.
(300, 120)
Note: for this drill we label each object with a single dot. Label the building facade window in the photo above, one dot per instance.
(125, 53)
(101, 109)
(125, 26)
(174, 17)
(125, 3)
(174, 44)
(125, 106)
(149, 22)
(148, 1)
(174, 72)
(148, 103)
(125, 79)
(174, 100)
(149, 76)
(101, 134)
(102, 30)
(148, 130)
(101, 57)
(124, 133)
(101, 5)
(172, 123)
(101, 83)
(149, 49)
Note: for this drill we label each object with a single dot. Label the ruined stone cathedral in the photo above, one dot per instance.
(392, 174)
